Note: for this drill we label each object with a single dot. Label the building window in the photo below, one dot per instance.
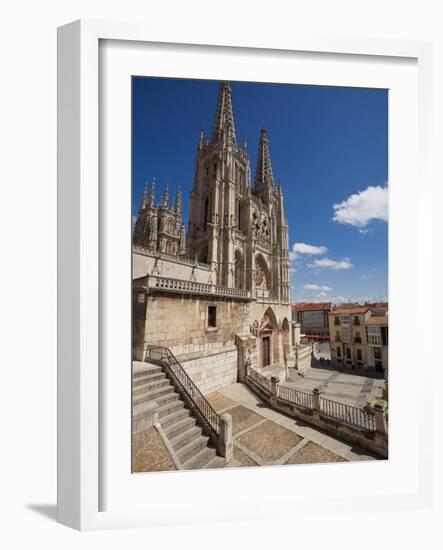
(336, 320)
(346, 333)
(374, 336)
(359, 355)
(345, 320)
(338, 352)
(356, 320)
(357, 337)
(212, 316)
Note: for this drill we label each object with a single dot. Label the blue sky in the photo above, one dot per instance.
(329, 146)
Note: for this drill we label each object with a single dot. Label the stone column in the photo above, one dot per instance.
(227, 441)
(274, 389)
(316, 399)
(380, 419)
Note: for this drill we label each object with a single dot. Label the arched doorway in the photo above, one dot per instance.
(268, 335)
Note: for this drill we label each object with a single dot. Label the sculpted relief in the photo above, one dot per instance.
(260, 275)
(260, 227)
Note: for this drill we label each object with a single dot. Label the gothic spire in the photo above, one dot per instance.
(202, 139)
(224, 125)
(152, 194)
(263, 173)
(165, 202)
(144, 200)
(178, 203)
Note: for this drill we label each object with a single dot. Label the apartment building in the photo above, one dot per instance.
(359, 337)
(313, 318)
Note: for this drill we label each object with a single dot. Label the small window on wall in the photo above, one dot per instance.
(212, 316)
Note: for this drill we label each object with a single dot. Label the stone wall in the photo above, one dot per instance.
(180, 322)
(213, 371)
(144, 264)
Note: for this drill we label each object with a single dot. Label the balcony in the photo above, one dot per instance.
(357, 340)
(167, 284)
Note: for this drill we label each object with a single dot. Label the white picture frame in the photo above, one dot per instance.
(79, 272)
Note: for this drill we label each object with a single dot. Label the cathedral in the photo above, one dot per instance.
(218, 295)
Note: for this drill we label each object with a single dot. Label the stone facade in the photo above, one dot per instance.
(225, 299)
(159, 228)
(359, 338)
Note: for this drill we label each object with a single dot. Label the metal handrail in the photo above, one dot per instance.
(353, 416)
(186, 386)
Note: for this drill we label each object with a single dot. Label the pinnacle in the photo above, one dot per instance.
(263, 175)
(224, 125)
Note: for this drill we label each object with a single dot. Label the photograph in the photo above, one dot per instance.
(260, 309)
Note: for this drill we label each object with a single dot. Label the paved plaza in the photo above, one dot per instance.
(347, 387)
(264, 437)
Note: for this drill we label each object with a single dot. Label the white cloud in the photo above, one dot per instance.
(361, 208)
(368, 276)
(303, 248)
(334, 265)
(310, 286)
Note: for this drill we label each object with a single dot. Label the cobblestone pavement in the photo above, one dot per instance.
(263, 436)
(149, 453)
(352, 389)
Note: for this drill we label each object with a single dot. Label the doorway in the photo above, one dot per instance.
(266, 351)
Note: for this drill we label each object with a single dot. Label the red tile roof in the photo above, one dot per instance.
(321, 306)
(350, 309)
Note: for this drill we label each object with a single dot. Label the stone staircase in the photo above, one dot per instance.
(193, 449)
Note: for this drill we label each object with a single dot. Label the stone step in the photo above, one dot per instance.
(192, 448)
(177, 427)
(147, 379)
(146, 369)
(153, 396)
(200, 459)
(216, 462)
(138, 411)
(169, 408)
(185, 436)
(149, 386)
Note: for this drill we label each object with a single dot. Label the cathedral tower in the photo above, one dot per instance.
(241, 233)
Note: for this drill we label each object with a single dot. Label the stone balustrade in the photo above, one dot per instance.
(168, 284)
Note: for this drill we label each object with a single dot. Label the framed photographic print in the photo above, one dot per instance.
(232, 220)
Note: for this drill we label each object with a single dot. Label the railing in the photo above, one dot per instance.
(346, 414)
(189, 391)
(296, 397)
(181, 285)
(178, 284)
(333, 410)
(180, 259)
(259, 379)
